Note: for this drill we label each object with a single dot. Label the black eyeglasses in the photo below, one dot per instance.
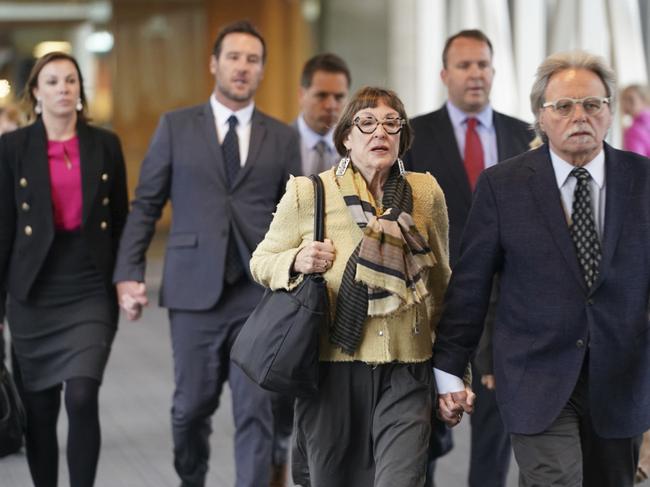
(564, 107)
(368, 124)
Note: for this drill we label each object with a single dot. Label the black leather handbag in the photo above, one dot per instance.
(12, 414)
(278, 345)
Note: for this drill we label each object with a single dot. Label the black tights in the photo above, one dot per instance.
(84, 436)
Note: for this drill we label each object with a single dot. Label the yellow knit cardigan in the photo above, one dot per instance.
(404, 336)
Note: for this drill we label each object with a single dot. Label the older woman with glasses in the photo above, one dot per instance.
(385, 260)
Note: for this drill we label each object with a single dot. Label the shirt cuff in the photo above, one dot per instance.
(446, 382)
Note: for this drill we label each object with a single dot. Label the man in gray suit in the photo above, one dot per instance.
(223, 165)
(324, 87)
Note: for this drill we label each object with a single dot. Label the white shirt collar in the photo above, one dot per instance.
(222, 113)
(458, 117)
(596, 168)
(311, 138)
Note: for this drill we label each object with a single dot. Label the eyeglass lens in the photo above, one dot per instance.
(368, 125)
(591, 106)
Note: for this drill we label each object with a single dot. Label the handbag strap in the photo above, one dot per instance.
(319, 207)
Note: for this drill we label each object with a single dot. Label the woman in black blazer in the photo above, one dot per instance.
(63, 204)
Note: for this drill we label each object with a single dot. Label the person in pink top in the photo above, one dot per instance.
(63, 204)
(635, 102)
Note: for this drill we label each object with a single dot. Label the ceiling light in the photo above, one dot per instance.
(99, 42)
(42, 48)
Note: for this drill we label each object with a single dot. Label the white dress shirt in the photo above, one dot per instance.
(244, 117)
(308, 141)
(485, 128)
(567, 185)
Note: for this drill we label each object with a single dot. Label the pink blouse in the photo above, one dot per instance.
(65, 183)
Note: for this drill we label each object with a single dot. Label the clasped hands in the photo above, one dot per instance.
(315, 257)
(132, 297)
(452, 405)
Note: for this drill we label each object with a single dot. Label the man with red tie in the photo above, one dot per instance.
(455, 143)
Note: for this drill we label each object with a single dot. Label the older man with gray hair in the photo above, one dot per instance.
(567, 227)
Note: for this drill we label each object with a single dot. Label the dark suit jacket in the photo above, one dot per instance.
(546, 319)
(185, 165)
(435, 150)
(25, 201)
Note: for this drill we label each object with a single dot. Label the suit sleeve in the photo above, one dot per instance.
(273, 258)
(151, 194)
(119, 193)
(293, 159)
(470, 287)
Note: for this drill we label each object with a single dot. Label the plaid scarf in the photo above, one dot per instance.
(385, 271)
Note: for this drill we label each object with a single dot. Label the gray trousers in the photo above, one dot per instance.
(368, 426)
(570, 453)
(201, 342)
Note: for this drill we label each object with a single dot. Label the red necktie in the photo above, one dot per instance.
(473, 153)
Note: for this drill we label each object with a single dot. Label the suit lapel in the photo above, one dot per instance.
(618, 187)
(445, 139)
(258, 133)
(36, 167)
(92, 163)
(545, 191)
(504, 137)
(208, 128)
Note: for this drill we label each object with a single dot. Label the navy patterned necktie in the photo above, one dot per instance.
(230, 148)
(583, 228)
(234, 267)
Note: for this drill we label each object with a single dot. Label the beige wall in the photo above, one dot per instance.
(161, 55)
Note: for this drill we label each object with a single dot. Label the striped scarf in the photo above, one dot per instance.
(385, 271)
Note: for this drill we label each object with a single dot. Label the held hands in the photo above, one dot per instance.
(452, 405)
(132, 296)
(315, 257)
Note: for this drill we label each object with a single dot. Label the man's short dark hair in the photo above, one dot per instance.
(239, 27)
(328, 62)
(475, 34)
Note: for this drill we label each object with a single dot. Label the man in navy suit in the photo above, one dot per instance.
(440, 147)
(567, 228)
(223, 165)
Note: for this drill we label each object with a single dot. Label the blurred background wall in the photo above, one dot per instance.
(141, 58)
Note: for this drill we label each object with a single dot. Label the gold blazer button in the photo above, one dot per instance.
(104, 177)
(23, 183)
(28, 231)
(25, 206)
(106, 201)
(103, 225)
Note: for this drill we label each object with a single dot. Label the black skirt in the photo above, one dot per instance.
(66, 326)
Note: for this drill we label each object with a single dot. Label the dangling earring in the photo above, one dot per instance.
(343, 164)
(38, 108)
(79, 106)
(400, 165)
